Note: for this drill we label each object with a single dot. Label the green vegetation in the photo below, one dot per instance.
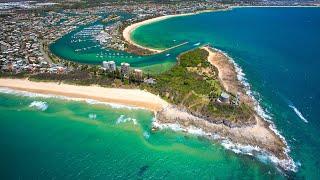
(193, 83)
(13, 75)
(89, 75)
(157, 68)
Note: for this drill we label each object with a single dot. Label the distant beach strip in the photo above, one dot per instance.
(129, 29)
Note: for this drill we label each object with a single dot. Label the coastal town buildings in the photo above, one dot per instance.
(149, 81)
(28, 28)
(180, 97)
(138, 74)
(28, 34)
(109, 66)
(24, 38)
(125, 69)
(110, 37)
(224, 97)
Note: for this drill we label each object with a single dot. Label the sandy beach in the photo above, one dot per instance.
(259, 135)
(131, 97)
(129, 29)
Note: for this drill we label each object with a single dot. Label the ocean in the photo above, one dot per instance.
(277, 50)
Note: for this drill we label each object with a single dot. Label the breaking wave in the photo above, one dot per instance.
(124, 119)
(287, 164)
(24, 93)
(40, 105)
(260, 154)
(299, 113)
(38, 95)
(290, 164)
(254, 151)
(113, 105)
(196, 44)
(237, 148)
(92, 116)
(146, 134)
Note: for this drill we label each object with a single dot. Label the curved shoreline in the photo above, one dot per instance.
(236, 139)
(131, 97)
(234, 86)
(253, 140)
(129, 29)
(234, 81)
(287, 162)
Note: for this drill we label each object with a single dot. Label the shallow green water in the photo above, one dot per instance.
(90, 51)
(72, 140)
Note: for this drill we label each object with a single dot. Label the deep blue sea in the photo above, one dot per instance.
(278, 50)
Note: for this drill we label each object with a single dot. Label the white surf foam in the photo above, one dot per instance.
(22, 93)
(113, 105)
(196, 44)
(287, 165)
(238, 148)
(124, 119)
(196, 131)
(262, 155)
(177, 127)
(146, 135)
(40, 105)
(252, 94)
(92, 116)
(38, 95)
(172, 126)
(299, 113)
(254, 151)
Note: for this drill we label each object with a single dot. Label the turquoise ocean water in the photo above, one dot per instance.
(277, 48)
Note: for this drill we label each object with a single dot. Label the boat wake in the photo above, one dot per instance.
(298, 113)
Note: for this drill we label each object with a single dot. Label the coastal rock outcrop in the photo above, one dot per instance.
(255, 138)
